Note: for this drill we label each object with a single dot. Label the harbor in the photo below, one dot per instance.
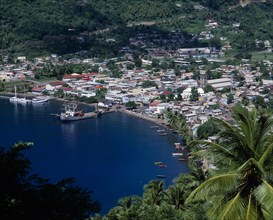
(114, 148)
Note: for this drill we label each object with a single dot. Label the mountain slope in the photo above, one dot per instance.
(67, 26)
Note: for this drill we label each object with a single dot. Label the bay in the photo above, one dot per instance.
(113, 155)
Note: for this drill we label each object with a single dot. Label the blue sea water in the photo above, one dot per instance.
(113, 155)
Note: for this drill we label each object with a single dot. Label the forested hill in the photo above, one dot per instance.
(40, 23)
(65, 26)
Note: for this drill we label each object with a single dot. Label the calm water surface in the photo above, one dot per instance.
(112, 155)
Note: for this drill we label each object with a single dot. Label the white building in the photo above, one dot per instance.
(187, 93)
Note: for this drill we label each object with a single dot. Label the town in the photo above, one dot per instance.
(196, 82)
(198, 72)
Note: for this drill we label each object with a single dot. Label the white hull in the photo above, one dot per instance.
(177, 154)
(70, 118)
(15, 99)
(19, 100)
(39, 100)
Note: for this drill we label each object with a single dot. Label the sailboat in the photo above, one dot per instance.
(14, 98)
(19, 100)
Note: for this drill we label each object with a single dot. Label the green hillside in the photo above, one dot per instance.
(68, 26)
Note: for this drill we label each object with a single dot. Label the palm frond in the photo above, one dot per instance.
(212, 146)
(266, 214)
(234, 209)
(250, 162)
(267, 153)
(238, 136)
(215, 206)
(251, 212)
(264, 194)
(214, 184)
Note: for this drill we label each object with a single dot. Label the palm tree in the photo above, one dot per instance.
(175, 196)
(171, 118)
(127, 208)
(241, 188)
(154, 192)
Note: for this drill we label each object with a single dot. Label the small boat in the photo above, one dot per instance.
(160, 176)
(177, 154)
(39, 100)
(162, 165)
(160, 130)
(182, 159)
(162, 134)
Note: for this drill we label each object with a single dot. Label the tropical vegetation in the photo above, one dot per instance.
(238, 187)
(42, 26)
(25, 195)
(241, 185)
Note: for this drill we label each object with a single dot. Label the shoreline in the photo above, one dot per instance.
(156, 121)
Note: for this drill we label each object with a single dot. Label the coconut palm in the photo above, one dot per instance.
(127, 208)
(154, 192)
(241, 188)
(175, 196)
(171, 118)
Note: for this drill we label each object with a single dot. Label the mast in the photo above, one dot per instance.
(15, 91)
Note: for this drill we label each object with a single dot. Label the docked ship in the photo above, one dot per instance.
(39, 100)
(71, 113)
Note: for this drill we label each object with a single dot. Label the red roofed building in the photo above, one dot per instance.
(99, 87)
(38, 90)
(154, 104)
(69, 77)
(66, 88)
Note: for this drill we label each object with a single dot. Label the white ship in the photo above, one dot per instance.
(70, 112)
(39, 100)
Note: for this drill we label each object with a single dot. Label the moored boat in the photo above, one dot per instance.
(70, 112)
(17, 99)
(160, 176)
(177, 154)
(14, 98)
(39, 100)
(23, 100)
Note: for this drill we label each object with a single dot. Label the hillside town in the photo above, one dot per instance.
(157, 109)
(192, 89)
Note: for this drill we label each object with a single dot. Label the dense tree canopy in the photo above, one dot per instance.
(44, 26)
(28, 196)
(208, 128)
(241, 187)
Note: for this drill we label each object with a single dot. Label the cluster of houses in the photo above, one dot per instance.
(129, 86)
